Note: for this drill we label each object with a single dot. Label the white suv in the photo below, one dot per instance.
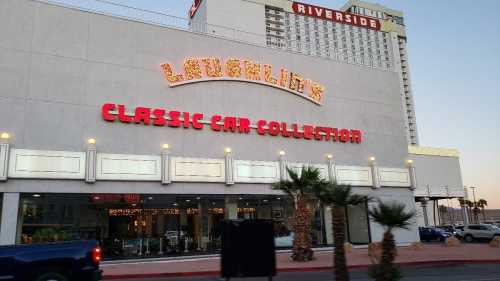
(480, 231)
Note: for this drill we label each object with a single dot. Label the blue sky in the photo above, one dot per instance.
(454, 55)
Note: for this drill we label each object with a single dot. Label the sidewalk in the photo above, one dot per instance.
(358, 258)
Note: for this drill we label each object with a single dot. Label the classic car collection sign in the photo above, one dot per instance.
(226, 124)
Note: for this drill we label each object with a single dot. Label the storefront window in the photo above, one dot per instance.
(357, 224)
(138, 225)
(133, 225)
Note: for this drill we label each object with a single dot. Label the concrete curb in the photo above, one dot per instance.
(216, 273)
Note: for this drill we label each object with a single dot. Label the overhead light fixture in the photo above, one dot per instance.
(227, 150)
(371, 158)
(91, 141)
(282, 153)
(165, 146)
(329, 156)
(409, 161)
(5, 136)
(36, 195)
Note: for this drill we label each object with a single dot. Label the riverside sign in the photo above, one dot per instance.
(243, 70)
(226, 124)
(335, 16)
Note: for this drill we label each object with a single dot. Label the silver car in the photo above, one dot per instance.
(480, 232)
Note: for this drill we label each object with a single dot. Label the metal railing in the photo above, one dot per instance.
(316, 49)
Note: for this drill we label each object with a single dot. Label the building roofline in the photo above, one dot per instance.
(371, 6)
(433, 151)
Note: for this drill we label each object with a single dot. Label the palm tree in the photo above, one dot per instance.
(300, 188)
(481, 203)
(470, 205)
(339, 196)
(390, 216)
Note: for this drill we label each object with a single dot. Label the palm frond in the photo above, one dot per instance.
(391, 215)
(300, 185)
(339, 195)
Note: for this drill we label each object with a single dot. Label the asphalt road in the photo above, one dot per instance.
(448, 273)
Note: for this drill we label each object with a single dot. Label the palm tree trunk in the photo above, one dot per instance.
(302, 243)
(387, 271)
(338, 225)
(484, 215)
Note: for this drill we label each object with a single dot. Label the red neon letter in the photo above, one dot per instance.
(142, 114)
(196, 121)
(174, 119)
(356, 136)
(122, 115)
(274, 128)
(244, 126)
(213, 123)
(159, 115)
(344, 135)
(260, 127)
(106, 108)
(308, 132)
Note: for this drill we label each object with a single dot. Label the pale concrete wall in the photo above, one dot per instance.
(58, 66)
(8, 222)
(51, 97)
(438, 172)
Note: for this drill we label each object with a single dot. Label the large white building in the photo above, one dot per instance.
(319, 31)
(127, 125)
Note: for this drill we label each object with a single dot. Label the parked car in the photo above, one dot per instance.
(449, 228)
(433, 234)
(480, 232)
(63, 261)
(459, 231)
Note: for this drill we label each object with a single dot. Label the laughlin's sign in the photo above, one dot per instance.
(233, 69)
(336, 16)
(161, 117)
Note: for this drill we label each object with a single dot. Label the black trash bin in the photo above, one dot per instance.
(248, 249)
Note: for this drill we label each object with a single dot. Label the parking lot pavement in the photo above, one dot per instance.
(476, 272)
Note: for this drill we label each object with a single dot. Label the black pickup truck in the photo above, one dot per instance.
(64, 261)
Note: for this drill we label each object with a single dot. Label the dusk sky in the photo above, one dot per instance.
(454, 56)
